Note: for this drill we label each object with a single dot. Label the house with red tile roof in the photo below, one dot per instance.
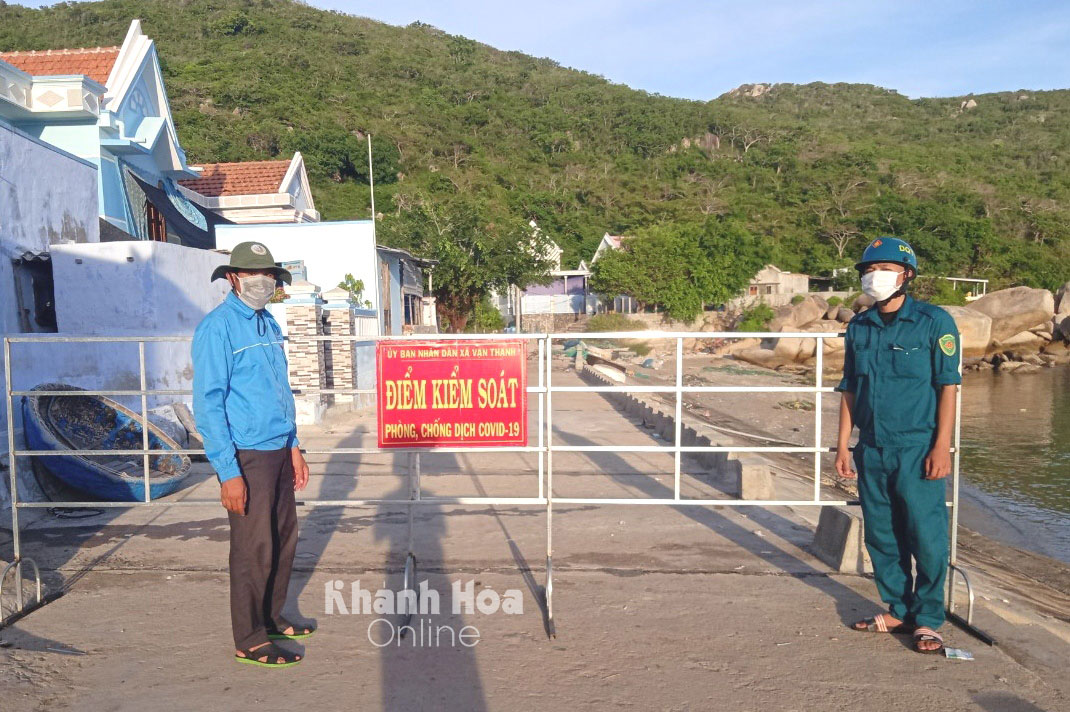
(254, 191)
(108, 106)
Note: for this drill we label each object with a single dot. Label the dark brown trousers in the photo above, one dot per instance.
(262, 545)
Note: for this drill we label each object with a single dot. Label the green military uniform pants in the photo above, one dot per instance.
(905, 518)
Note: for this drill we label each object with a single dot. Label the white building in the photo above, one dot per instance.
(772, 280)
(47, 197)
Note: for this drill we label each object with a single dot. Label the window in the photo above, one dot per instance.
(157, 226)
(413, 309)
(753, 290)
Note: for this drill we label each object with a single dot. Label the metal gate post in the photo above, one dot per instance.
(548, 350)
(408, 581)
(953, 568)
(819, 366)
(679, 417)
(542, 404)
(11, 459)
(144, 418)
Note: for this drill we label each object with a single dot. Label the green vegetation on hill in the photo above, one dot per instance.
(808, 172)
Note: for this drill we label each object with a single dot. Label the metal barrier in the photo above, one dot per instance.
(545, 447)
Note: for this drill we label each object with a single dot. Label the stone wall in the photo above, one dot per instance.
(339, 365)
(306, 357)
(546, 323)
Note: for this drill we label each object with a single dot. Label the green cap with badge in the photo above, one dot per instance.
(250, 256)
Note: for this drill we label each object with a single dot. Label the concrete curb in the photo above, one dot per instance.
(838, 539)
(748, 474)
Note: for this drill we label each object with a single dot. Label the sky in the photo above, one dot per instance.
(699, 50)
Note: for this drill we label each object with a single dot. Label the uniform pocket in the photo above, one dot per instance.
(910, 361)
(863, 362)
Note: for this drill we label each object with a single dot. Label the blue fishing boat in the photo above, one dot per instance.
(61, 423)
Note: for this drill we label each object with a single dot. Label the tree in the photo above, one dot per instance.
(355, 287)
(476, 254)
(681, 267)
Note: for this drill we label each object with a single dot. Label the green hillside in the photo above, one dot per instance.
(810, 171)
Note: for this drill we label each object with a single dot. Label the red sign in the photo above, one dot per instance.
(452, 393)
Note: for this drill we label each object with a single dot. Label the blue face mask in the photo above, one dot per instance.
(257, 290)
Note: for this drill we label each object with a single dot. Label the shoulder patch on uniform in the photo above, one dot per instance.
(947, 344)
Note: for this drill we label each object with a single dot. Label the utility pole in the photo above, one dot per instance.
(371, 179)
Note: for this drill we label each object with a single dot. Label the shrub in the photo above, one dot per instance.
(614, 321)
(485, 319)
(834, 301)
(797, 299)
(639, 348)
(756, 319)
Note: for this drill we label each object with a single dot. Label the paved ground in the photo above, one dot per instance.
(656, 608)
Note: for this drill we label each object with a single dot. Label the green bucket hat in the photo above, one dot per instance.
(251, 255)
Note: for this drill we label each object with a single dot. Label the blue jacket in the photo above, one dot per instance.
(241, 393)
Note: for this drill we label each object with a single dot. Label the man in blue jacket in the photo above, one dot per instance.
(245, 413)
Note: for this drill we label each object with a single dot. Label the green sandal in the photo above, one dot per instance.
(299, 631)
(268, 656)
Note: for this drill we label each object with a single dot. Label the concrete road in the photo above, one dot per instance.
(655, 607)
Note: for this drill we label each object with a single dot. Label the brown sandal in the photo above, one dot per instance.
(878, 624)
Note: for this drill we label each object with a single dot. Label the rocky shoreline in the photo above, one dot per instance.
(1020, 329)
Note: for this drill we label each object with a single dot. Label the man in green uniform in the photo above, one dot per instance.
(900, 374)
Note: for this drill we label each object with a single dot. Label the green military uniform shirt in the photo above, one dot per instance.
(895, 371)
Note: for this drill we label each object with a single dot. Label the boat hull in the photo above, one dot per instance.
(101, 477)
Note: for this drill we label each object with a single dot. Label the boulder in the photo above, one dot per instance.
(787, 350)
(1060, 327)
(833, 345)
(1023, 341)
(832, 312)
(824, 325)
(737, 345)
(1061, 321)
(1017, 367)
(1035, 359)
(975, 330)
(1045, 332)
(783, 319)
(1062, 306)
(1056, 348)
(844, 315)
(863, 301)
(759, 357)
(1015, 310)
(809, 310)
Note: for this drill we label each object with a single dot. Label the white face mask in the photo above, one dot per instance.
(257, 290)
(880, 284)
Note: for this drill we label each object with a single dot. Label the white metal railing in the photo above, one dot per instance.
(545, 446)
